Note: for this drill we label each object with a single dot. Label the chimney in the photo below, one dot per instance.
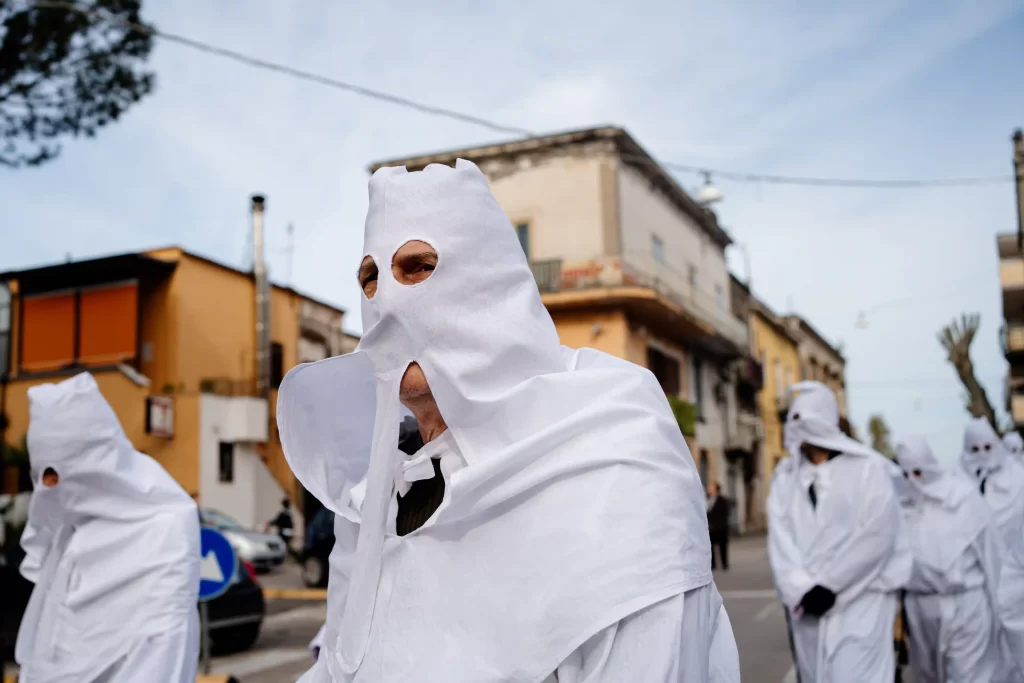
(259, 272)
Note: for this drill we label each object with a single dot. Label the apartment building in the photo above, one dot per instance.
(1011, 279)
(171, 339)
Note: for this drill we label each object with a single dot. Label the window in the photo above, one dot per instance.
(657, 249)
(276, 365)
(789, 377)
(779, 389)
(720, 298)
(523, 233)
(697, 387)
(702, 469)
(92, 326)
(694, 277)
(665, 369)
(226, 463)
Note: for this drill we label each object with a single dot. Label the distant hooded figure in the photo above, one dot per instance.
(551, 527)
(1014, 443)
(112, 546)
(1010, 601)
(997, 475)
(837, 545)
(957, 554)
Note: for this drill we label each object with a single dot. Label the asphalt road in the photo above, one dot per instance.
(281, 656)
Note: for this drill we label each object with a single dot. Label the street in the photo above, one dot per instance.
(281, 654)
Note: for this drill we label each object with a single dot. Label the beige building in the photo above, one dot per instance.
(819, 359)
(1011, 278)
(628, 263)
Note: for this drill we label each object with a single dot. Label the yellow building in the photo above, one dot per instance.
(778, 351)
(171, 339)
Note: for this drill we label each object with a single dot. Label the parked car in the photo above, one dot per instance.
(236, 617)
(262, 551)
(317, 549)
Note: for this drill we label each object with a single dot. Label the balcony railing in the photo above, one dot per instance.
(559, 275)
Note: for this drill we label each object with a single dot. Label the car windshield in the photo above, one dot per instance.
(219, 520)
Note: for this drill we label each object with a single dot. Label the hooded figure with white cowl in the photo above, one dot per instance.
(837, 545)
(550, 528)
(949, 598)
(112, 545)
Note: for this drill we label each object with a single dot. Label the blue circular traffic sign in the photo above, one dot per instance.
(217, 564)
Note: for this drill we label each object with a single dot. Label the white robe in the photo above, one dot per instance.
(113, 550)
(949, 598)
(852, 543)
(572, 503)
(1011, 606)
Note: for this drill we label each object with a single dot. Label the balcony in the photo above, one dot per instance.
(1017, 409)
(1012, 340)
(558, 275)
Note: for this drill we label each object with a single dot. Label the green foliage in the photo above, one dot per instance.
(16, 454)
(879, 431)
(66, 73)
(686, 415)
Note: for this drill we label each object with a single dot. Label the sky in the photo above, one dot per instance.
(876, 89)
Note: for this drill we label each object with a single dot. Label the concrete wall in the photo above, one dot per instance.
(562, 199)
(646, 213)
(253, 495)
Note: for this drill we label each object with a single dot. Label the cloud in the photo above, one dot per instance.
(875, 89)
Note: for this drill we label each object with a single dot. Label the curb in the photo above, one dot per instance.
(295, 593)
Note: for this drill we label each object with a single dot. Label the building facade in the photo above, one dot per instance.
(1011, 279)
(779, 352)
(819, 359)
(171, 339)
(628, 263)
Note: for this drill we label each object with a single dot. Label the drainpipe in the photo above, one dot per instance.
(259, 271)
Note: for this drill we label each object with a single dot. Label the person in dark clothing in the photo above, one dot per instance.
(284, 524)
(718, 525)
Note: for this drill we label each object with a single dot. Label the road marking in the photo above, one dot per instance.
(754, 595)
(790, 676)
(256, 662)
(766, 611)
(295, 593)
(307, 613)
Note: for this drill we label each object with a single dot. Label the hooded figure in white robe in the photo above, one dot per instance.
(1014, 443)
(837, 545)
(1010, 601)
(112, 547)
(571, 542)
(998, 476)
(957, 552)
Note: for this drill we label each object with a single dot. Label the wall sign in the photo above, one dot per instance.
(160, 416)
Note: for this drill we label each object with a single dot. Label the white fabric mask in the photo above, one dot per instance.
(539, 427)
(813, 418)
(922, 471)
(983, 452)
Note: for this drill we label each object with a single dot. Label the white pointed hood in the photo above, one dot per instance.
(985, 459)
(947, 504)
(1014, 443)
(129, 534)
(558, 446)
(813, 418)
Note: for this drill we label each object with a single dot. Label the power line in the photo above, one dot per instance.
(482, 122)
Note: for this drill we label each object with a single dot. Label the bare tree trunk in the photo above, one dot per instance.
(956, 338)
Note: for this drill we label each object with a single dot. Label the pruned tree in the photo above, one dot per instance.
(956, 338)
(880, 434)
(67, 70)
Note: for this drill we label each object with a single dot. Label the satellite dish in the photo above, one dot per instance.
(708, 193)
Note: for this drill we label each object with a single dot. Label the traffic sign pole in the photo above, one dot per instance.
(217, 568)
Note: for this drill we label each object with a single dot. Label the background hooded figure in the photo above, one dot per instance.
(571, 536)
(998, 476)
(837, 545)
(113, 550)
(949, 598)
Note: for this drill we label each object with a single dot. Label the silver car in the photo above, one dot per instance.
(262, 551)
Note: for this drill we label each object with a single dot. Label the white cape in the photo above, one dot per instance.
(113, 550)
(853, 543)
(579, 503)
